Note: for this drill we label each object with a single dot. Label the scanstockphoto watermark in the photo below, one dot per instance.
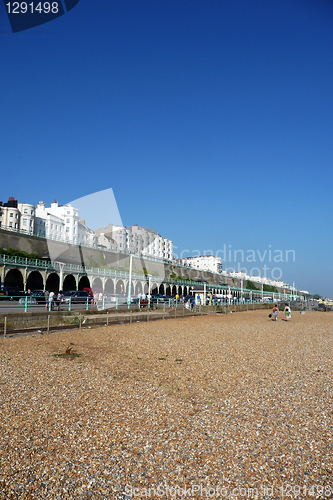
(194, 491)
(230, 255)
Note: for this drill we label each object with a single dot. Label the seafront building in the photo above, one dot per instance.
(205, 263)
(63, 223)
(20, 216)
(137, 240)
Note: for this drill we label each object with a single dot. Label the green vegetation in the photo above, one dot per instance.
(20, 253)
(270, 288)
(250, 285)
(68, 354)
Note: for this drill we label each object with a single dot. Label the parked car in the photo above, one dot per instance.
(11, 293)
(76, 297)
(39, 295)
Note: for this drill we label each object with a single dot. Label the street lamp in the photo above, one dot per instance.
(149, 284)
(130, 280)
(61, 266)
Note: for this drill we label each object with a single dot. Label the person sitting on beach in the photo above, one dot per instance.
(275, 312)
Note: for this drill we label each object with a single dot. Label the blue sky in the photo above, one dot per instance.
(212, 121)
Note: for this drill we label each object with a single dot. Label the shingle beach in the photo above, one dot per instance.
(219, 406)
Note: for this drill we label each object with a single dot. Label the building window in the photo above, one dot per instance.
(15, 225)
(51, 226)
(11, 215)
(25, 211)
(31, 223)
(67, 229)
(10, 224)
(32, 212)
(67, 221)
(24, 222)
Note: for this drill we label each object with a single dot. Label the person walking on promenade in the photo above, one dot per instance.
(287, 312)
(275, 312)
(46, 295)
(59, 300)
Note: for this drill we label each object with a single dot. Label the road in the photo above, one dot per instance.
(7, 306)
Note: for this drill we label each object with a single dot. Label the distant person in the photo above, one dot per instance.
(275, 312)
(287, 312)
(59, 300)
(46, 295)
(143, 296)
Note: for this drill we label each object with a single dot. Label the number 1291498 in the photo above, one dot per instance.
(32, 7)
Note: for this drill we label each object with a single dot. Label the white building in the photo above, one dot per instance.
(20, 216)
(151, 243)
(27, 218)
(62, 222)
(104, 238)
(204, 263)
(137, 240)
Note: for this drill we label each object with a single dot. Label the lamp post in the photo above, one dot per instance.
(149, 288)
(130, 280)
(61, 266)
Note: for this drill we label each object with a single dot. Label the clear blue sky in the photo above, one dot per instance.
(211, 120)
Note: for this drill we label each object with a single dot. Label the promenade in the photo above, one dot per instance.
(233, 405)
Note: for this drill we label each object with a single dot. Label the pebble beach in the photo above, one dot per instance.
(217, 406)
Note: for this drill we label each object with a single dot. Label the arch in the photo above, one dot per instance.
(154, 289)
(120, 287)
(97, 284)
(185, 291)
(35, 281)
(138, 288)
(174, 290)
(180, 291)
(84, 283)
(69, 283)
(109, 286)
(168, 290)
(161, 289)
(52, 282)
(14, 278)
